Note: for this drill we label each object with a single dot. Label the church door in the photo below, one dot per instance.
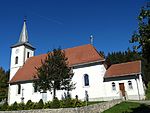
(122, 89)
(44, 97)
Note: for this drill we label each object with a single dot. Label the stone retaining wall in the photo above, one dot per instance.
(95, 108)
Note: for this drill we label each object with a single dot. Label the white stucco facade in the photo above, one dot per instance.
(22, 52)
(98, 89)
(133, 91)
(95, 73)
(89, 78)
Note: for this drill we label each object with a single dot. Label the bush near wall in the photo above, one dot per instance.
(65, 103)
(148, 91)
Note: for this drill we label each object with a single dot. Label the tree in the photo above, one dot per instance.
(142, 39)
(121, 57)
(102, 54)
(54, 74)
(4, 76)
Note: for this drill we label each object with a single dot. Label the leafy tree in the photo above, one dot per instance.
(141, 39)
(54, 74)
(4, 76)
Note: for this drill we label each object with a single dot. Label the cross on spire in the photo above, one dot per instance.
(91, 39)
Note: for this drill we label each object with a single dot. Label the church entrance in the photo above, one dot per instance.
(122, 89)
(44, 97)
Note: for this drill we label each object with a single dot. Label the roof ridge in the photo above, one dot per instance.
(77, 46)
(127, 62)
(64, 50)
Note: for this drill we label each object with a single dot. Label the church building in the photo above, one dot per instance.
(92, 78)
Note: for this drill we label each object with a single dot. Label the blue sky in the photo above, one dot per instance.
(68, 23)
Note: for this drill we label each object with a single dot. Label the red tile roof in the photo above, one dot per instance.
(76, 55)
(124, 69)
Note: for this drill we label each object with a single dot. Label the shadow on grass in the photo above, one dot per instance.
(141, 109)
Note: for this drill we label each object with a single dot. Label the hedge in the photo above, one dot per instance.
(65, 103)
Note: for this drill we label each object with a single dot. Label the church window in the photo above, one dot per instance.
(130, 85)
(28, 54)
(19, 89)
(86, 80)
(16, 60)
(113, 86)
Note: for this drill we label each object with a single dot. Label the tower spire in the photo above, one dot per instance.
(24, 34)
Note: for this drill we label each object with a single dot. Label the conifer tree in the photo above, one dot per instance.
(4, 76)
(122, 56)
(54, 73)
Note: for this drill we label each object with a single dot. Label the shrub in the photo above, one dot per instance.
(29, 105)
(67, 103)
(35, 106)
(4, 107)
(40, 104)
(78, 103)
(47, 105)
(14, 106)
(21, 106)
(55, 103)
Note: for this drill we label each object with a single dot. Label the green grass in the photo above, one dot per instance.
(129, 107)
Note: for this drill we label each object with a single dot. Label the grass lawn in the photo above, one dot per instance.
(129, 107)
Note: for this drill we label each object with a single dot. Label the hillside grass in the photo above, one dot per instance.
(129, 107)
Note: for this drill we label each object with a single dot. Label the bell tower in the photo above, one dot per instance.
(21, 51)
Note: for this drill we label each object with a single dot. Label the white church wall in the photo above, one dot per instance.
(95, 88)
(31, 53)
(13, 96)
(16, 52)
(20, 52)
(27, 93)
(134, 93)
(141, 87)
(98, 90)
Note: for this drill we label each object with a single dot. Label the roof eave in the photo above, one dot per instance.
(122, 75)
(79, 64)
(25, 44)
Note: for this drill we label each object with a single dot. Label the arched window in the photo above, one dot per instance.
(19, 89)
(86, 80)
(130, 85)
(16, 60)
(113, 86)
